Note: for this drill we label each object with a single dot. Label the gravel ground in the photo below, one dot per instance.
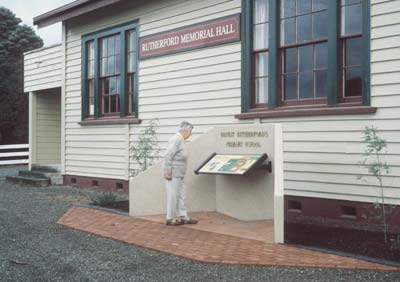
(34, 248)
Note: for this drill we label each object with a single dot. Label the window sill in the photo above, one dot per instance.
(307, 111)
(107, 121)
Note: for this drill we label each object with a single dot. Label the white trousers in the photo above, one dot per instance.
(176, 198)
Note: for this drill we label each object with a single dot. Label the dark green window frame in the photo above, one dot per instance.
(273, 63)
(95, 37)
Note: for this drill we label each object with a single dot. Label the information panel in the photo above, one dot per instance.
(231, 164)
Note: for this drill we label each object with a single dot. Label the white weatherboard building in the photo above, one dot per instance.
(323, 70)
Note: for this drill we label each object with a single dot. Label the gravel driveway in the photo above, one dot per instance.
(34, 248)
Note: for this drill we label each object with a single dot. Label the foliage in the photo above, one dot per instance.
(15, 39)
(104, 199)
(374, 154)
(395, 243)
(145, 151)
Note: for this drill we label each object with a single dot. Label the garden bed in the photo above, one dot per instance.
(359, 242)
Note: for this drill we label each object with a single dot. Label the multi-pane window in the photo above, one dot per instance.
(304, 33)
(110, 79)
(351, 48)
(305, 52)
(109, 84)
(260, 50)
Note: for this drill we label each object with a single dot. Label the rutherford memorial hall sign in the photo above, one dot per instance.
(210, 33)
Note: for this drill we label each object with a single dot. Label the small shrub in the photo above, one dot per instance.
(374, 155)
(145, 151)
(395, 243)
(104, 199)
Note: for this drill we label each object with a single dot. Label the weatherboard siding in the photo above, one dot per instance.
(42, 69)
(322, 154)
(48, 128)
(203, 86)
(197, 86)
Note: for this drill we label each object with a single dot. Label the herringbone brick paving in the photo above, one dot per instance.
(201, 245)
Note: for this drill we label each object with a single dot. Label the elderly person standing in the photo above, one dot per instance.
(175, 162)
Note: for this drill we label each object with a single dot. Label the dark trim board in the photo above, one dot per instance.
(105, 184)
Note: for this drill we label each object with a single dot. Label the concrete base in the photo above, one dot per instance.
(258, 196)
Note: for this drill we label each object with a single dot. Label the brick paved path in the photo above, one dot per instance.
(203, 246)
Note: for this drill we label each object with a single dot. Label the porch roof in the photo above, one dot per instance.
(71, 10)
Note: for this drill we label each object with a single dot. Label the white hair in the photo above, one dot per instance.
(185, 126)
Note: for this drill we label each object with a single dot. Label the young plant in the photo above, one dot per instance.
(395, 243)
(145, 151)
(375, 153)
(104, 199)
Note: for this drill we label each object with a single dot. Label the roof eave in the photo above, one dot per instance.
(70, 11)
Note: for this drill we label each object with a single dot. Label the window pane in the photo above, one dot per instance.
(130, 63)
(91, 106)
(291, 60)
(321, 56)
(320, 5)
(290, 86)
(111, 65)
(134, 61)
(306, 58)
(113, 104)
(306, 85)
(90, 51)
(288, 8)
(288, 32)
(304, 31)
(260, 36)
(118, 81)
(113, 85)
(117, 44)
(353, 82)
(132, 41)
(103, 67)
(111, 45)
(353, 51)
(262, 64)
(260, 11)
(90, 97)
(106, 104)
(90, 69)
(106, 86)
(131, 82)
(262, 90)
(117, 64)
(321, 78)
(349, 2)
(352, 19)
(104, 48)
(303, 7)
(320, 25)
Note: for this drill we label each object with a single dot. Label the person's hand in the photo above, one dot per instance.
(168, 176)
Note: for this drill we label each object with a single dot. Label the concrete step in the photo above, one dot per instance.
(45, 169)
(42, 182)
(32, 174)
(55, 178)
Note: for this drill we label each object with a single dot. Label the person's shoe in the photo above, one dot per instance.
(189, 221)
(174, 222)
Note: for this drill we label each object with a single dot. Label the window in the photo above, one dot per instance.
(109, 87)
(304, 53)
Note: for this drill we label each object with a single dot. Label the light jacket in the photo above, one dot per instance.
(175, 160)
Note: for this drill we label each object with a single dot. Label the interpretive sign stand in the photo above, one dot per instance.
(232, 164)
